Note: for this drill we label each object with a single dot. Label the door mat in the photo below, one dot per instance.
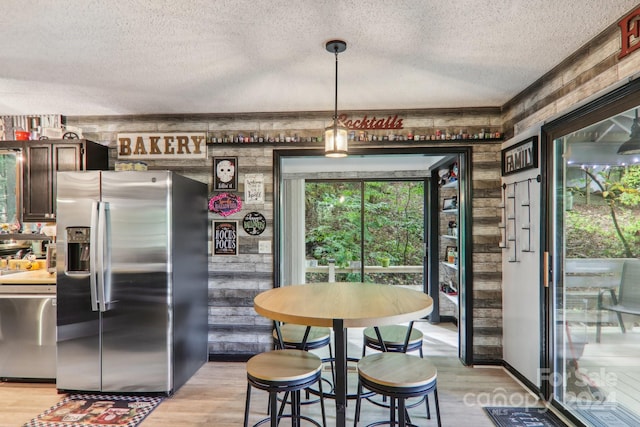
(88, 410)
(609, 415)
(522, 417)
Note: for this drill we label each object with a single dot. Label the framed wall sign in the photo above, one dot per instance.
(254, 223)
(225, 204)
(225, 174)
(253, 188)
(225, 237)
(520, 156)
(178, 146)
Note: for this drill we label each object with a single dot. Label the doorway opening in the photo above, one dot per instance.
(377, 216)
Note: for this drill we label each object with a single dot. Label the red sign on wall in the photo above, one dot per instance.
(368, 123)
(629, 33)
(225, 204)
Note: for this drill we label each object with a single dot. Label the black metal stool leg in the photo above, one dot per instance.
(246, 405)
(273, 408)
(402, 415)
(358, 403)
(284, 402)
(331, 362)
(324, 416)
(426, 403)
(392, 407)
(435, 395)
(295, 408)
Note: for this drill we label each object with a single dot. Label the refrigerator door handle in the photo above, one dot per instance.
(92, 255)
(104, 257)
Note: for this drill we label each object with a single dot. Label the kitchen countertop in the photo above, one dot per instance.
(28, 282)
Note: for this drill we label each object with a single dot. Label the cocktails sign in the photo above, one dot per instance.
(369, 123)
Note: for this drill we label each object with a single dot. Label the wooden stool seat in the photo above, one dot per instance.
(292, 336)
(394, 338)
(284, 371)
(279, 365)
(398, 376)
(397, 370)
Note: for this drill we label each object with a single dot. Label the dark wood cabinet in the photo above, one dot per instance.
(42, 159)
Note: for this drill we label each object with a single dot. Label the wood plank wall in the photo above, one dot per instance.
(587, 73)
(234, 327)
(235, 330)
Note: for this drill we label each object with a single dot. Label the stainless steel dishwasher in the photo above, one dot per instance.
(27, 332)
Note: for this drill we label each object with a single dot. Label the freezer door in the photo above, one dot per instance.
(78, 325)
(137, 323)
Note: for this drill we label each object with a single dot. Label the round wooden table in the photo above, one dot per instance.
(342, 305)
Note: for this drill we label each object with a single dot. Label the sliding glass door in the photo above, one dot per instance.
(365, 231)
(594, 242)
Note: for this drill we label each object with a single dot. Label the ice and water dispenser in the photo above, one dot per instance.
(78, 249)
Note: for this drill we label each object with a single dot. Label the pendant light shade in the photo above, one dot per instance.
(632, 145)
(335, 136)
(335, 140)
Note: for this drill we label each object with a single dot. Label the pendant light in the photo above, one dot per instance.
(632, 145)
(335, 136)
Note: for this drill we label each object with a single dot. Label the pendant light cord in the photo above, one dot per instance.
(335, 114)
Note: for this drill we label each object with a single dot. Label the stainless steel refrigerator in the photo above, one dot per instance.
(131, 280)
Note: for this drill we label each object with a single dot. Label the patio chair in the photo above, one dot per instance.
(628, 299)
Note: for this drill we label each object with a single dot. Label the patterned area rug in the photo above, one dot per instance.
(523, 417)
(87, 410)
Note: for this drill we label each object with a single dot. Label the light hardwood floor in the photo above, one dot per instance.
(215, 395)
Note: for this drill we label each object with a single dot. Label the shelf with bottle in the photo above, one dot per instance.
(250, 137)
(451, 258)
(452, 266)
(452, 230)
(244, 136)
(449, 291)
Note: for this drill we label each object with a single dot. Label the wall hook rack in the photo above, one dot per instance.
(515, 224)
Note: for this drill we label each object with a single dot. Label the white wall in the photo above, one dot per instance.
(521, 287)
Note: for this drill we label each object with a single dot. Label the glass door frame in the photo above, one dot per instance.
(362, 183)
(622, 97)
(465, 320)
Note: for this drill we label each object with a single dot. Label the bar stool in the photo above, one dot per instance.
(288, 371)
(394, 338)
(397, 376)
(299, 337)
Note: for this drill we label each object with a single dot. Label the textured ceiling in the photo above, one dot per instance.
(103, 57)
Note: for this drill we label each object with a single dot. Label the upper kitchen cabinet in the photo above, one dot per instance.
(42, 159)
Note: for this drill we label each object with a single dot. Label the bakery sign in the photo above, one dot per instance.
(151, 145)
